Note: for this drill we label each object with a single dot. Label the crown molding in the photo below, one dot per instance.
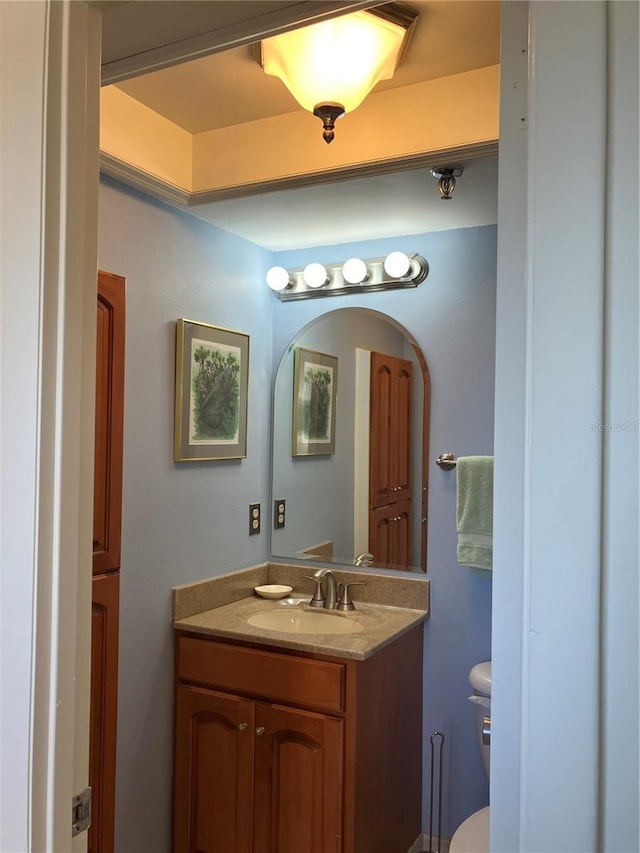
(177, 196)
(357, 170)
(143, 181)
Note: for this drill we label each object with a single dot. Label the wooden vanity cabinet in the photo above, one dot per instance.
(284, 752)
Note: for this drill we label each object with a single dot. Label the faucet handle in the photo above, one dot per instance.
(345, 602)
(318, 596)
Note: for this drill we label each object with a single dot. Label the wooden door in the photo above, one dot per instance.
(298, 802)
(107, 515)
(390, 461)
(213, 772)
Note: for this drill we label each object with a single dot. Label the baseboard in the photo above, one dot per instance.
(421, 844)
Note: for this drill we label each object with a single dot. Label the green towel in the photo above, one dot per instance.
(475, 511)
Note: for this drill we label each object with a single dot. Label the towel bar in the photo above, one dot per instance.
(446, 461)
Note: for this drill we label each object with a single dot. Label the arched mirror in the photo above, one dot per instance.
(350, 436)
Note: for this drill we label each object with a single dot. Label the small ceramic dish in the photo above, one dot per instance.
(272, 590)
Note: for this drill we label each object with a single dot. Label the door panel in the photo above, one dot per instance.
(299, 772)
(104, 710)
(390, 535)
(213, 772)
(380, 477)
(390, 462)
(107, 500)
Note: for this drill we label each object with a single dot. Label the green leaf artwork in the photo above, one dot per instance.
(316, 404)
(215, 392)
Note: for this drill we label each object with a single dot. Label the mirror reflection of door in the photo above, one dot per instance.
(391, 408)
(330, 516)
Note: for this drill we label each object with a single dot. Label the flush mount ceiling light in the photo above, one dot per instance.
(447, 179)
(397, 270)
(331, 67)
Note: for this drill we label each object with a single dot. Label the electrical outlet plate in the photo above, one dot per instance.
(278, 514)
(254, 519)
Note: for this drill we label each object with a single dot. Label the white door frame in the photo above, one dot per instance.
(565, 605)
(49, 177)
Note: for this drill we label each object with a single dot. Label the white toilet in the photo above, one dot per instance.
(472, 836)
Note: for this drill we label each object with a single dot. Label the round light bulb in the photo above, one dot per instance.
(278, 278)
(354, 271)
(315, 275)
(397, 265)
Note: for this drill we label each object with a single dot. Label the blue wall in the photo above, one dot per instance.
(183, 522)
(452, 317)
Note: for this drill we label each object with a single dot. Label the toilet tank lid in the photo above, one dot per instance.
(480, 678)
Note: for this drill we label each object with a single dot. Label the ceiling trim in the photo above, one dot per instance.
(234, 35)
(145, 182)
(355, 170)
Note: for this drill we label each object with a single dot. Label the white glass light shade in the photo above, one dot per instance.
(278, 278)
(335, 61)
(397, 265)
(354, 271)
(315, 275)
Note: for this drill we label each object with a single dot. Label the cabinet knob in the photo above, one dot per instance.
(242, 727)
(259, 731)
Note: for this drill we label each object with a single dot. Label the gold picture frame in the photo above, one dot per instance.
(212, 381)
(315, 383)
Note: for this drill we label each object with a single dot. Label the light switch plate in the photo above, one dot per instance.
(254, 519)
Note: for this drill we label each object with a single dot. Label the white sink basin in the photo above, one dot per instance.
(304, 622)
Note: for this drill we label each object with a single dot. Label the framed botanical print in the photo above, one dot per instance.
(212, 377)
(314, 403)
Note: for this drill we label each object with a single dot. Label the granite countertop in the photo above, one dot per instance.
(221, 606)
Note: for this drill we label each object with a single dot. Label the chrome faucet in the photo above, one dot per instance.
(365, 559)
(329, 594)
(327, 597)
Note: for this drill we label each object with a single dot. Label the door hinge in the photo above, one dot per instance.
(81, 812)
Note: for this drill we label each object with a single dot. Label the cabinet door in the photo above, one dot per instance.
(390, 535)
(298, 806)
(213, 772)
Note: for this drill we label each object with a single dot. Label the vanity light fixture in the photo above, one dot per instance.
(397, 270)
(331, 66)
(447, 179)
